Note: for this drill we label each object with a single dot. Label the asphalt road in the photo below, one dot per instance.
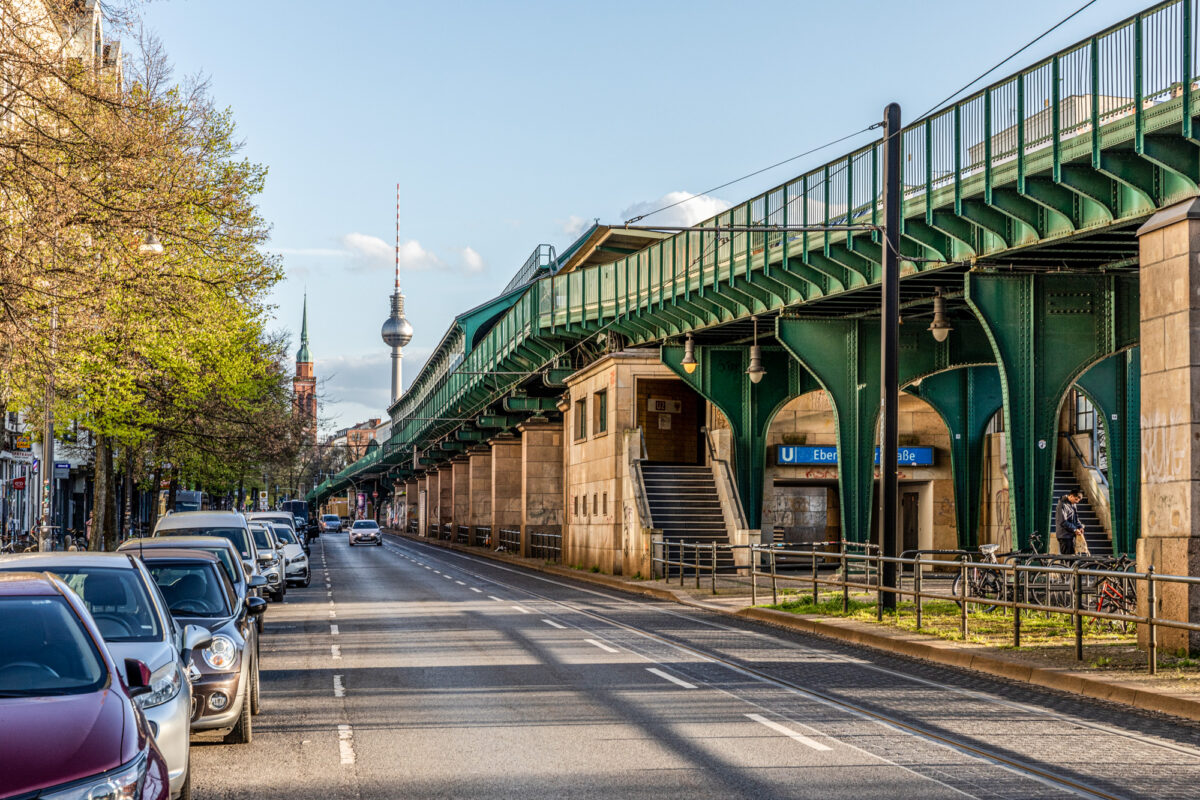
(411, 671)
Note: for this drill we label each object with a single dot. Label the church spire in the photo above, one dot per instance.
(302, 356)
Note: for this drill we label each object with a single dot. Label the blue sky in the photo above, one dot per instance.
(509, 124)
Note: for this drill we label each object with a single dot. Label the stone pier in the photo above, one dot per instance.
(479, 491)
(541, 479)
(460, 493)
(506, 486)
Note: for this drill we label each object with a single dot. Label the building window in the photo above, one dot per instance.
(604, 507)
(595, 504)
(576, 500)
(1085, 414)
(600, 412)
(581, 419)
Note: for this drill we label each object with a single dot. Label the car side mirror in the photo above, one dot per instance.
(265, 558)
(248, 568)
(257, 581)
(255, 606)
(195, 638)
(137, 677)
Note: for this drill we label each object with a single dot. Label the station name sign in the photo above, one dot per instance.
(789, 455)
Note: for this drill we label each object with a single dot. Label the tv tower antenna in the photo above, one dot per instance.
(397, 331)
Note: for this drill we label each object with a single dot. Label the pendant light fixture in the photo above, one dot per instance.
(689, 355)
(755, 370)
(940, 327)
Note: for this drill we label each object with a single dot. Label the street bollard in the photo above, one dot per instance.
(753, 576)
(697, 560)
(774, 586)
(962, 597)
(917, 587)
(682, 562)
(714, 567)
(878, 589)
(1077, 605)
(813, 556)
(1151, 614)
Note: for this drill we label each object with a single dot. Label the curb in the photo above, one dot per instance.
(901, 642)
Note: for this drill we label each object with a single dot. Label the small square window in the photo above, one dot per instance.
(600, 412)
(581, 419)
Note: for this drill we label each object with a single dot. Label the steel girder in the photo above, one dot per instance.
(1046, 330)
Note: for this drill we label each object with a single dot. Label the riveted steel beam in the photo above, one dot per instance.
(521, 403)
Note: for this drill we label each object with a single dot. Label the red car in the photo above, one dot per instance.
(68, 725)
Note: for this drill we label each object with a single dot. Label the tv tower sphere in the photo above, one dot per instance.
(397, 331)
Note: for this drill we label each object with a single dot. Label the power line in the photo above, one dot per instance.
(641, 217)
(1011, 56)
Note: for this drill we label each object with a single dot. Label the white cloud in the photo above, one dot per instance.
(573, 225)
(691, 208)
(471, 260)
(350, 383)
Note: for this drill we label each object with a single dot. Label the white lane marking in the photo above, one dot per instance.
(336, 652)
(333, 630)
(786, 731)
(497, 599)
(473, 589)
(346, 743)
(523, 610)
(668, 676)
(554, 624)
(602, 646)
(427, 566)
(447, 577)
(437, 572)
(332, 614)
(460, 583)
(339, 690)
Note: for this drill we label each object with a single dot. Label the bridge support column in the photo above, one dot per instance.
(1114, 387)
(460, 492)
(1046, 330)
(966, 399)
(427, 491)
(843, 355)
(506, 486)
(720, 378)
(541, 479)
(411, 497)
(445, 495)
(1169, 246)
(479, 491)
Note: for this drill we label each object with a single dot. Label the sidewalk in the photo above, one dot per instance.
(1112, 670)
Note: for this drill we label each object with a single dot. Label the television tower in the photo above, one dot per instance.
(397, 331)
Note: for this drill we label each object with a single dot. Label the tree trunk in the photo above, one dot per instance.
(104, 510)
(155, 490)
(173, 491)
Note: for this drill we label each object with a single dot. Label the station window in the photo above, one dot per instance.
(1085, 414)
(600, 412)
(581, 418)
(604, 507)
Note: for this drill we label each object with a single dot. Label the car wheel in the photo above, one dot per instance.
(186, 792)
(307, 579)
(243, 731)
(379, 543)
(255, 701)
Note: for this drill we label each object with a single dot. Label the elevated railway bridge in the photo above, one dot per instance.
(1050, 233)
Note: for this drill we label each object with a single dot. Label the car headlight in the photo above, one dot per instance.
(123, 783)
(222, 654)
(164, 685)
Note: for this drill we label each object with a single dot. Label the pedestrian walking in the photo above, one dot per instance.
(1066, 522)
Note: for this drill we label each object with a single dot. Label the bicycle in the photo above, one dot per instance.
(1117, 596)
(982, 582)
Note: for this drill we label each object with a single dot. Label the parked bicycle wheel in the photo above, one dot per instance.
(1112, 599)
(983, 585)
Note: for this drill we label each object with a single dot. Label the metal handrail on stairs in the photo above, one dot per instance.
(726, 473)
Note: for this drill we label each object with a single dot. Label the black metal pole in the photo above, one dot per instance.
(889, 334)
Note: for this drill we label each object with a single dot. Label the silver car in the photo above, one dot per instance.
(132, 616)
(365, 531)
(271, 560)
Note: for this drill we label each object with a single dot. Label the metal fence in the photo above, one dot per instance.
(510, 540)
(546, 545)
(483, 535)
(1081, 587)
(464, 535)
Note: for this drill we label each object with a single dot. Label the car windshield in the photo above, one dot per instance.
(233, 570)
(118, 599)
(191, 589)
(285, 534)
(46, 649)
(235, 535)
(366, 523)
(331, 518)
(262, 538)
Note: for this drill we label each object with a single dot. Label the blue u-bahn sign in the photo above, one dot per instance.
(827, 455)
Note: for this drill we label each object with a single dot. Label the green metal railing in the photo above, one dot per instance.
(1126, 88)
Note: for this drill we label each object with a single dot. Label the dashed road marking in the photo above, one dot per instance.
(336, 652)
(339, 690)
(497, 599)
(523, 610)
(346, 743)
(602, 646)
(460, 583)
(554, 624)
(333, 630)
(668, 676)
(786, 731)
(473, 589)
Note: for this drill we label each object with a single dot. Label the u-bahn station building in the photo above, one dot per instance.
(723, 384)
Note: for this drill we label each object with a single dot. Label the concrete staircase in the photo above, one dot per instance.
(685, 506)
(1098, 539)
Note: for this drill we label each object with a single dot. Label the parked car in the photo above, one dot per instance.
(226, 524)
(346, 523)
(132, 617)
(281, 518)
(295, 560)
(245, 586)
(72, 723)
(365, 531)
(270, 560)
(331, 523)
(304, 521)
(225, 680)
